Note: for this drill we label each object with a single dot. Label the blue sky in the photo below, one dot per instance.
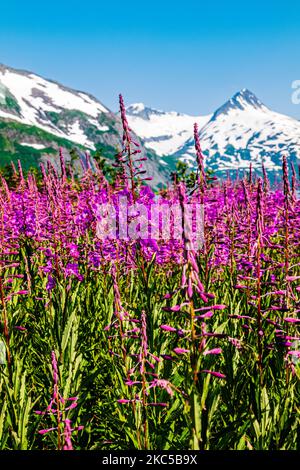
(188, 56)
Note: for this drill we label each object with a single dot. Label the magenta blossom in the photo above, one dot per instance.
(180, 351)
(215, 374)
(168, 328)
(213, 351)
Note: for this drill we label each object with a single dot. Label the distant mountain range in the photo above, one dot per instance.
(240, 131)
(37, 116)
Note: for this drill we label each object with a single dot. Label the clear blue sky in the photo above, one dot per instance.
(188, 56)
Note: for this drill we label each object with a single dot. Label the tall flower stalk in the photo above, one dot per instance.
(259, 247)
(59, 408)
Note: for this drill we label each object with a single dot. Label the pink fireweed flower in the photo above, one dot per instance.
(133, 320)
(168, 328)
(72, 269)
(236, 342)
(280, 309)
(72, 406)
(51, 283)
(20, 328)
(54, 368)
(294, 353)
(12, 265)
(180, 351)
(167, 357)
(169, 295)
(204, 315)
(183, 278)
(215, 374)
(195, 267)
(202, 296)
(203, 341)
(124, 401)
(211, 307)
(44, 431)
(190, 288)
(157, 359)
(292, 278)
(278, 292)
(67, 435)
(19, 292)
(292, 320)
(161, 383)
(175, 308)
(213, 351)
(79, 428)
(144, 337)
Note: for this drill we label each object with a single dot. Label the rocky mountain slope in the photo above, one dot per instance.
(37, 116)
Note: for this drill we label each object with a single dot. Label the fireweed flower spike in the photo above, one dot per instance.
(193, 288)
(58, 407)
(259, 231)
(142, 377)
(128, 159)
(201, 178)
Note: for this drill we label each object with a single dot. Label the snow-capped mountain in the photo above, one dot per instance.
(164, 132)
(240, 131)
(32, 100)
(37, 116)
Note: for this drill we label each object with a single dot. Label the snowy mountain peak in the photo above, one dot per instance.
(142, 111)
(135, 108)
(241, 101)
(245, 98)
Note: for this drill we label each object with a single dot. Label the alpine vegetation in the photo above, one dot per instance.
(142, 319)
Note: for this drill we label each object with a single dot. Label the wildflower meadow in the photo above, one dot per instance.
(171, 336)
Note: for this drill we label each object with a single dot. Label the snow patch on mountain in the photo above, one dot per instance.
(163, 132)
(46, 95)
(35, 146)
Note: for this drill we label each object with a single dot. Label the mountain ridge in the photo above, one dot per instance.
(38, 115)
(241, 130)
